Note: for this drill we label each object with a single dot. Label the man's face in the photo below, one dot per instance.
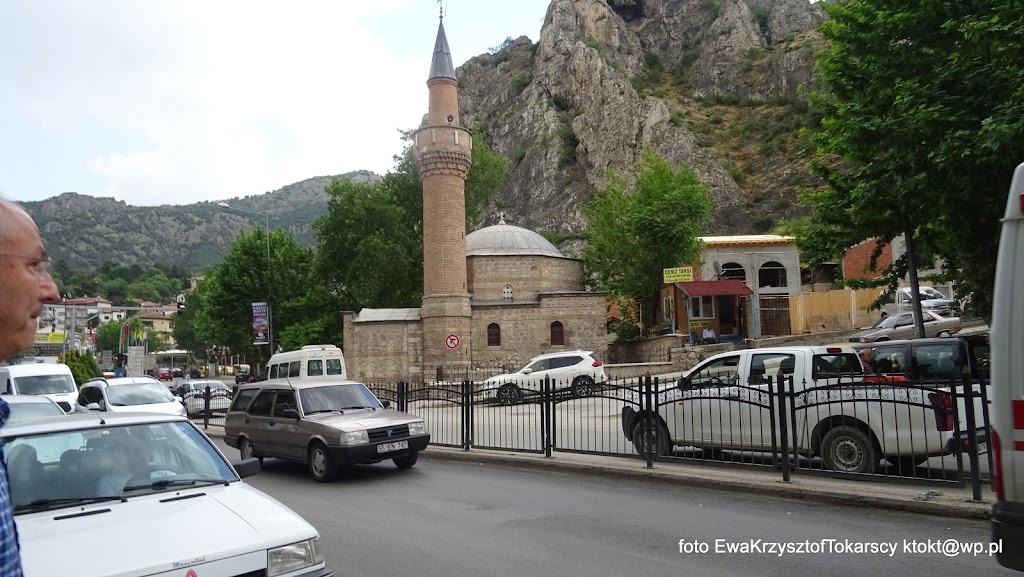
(22, 290)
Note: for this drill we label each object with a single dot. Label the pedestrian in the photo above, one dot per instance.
(25, 285)
(709, 335)
(866, 362)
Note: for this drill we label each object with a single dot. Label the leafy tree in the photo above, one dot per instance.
(638, 230)
(107, 336)
(369, 224)
(922, 128)
(83, 365)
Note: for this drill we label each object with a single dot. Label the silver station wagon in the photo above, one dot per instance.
(324, 424)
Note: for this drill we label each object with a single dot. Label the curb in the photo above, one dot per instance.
(778, 488)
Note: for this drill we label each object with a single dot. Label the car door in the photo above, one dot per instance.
(537, 371)
(256, 422)
(698, 417)
(931, 324)
(287, 435)
(562, 371)
(748, 404)
(904, 327)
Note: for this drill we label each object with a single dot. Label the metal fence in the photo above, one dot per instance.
(867, 427)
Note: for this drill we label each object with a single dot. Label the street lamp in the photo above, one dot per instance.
(266, 217)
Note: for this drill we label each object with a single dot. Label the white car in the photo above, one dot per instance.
(128, 394)
(577, 371)
(24, 407)
(193, 395)
(137, 480)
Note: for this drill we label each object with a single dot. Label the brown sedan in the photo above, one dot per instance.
(901, 326)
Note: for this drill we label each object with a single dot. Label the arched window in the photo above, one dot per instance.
(506, 293)
(493, 335)
(733, 270)
(557, 334)
(771, 274)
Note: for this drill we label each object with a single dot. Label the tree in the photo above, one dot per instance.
(83, 365)
(637, 231)
(370, 224)
(921, 130)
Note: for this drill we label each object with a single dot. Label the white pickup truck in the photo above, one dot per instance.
(833, 410)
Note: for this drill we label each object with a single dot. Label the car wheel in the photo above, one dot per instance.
(407, 461)
(321, 465)
(582, 387)
(945, 334)
(907, 464)
(509, 394)
(246, 451)
(644, 438)
(849, 450)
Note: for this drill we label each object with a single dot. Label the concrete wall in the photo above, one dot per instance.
(528, 275)
(752, 259)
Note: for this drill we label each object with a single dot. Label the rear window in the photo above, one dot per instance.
(833, 366)
(333, 366)
(314, 368)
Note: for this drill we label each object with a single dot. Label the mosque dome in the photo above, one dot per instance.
(507, 240)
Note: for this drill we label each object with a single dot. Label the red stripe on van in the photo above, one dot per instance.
(1018, 446)
(1018, 415)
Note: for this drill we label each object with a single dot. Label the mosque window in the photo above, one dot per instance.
(493, 335)
(557, 334)
(506, 293)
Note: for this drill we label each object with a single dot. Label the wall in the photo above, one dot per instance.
(751, 258)
(526, 328)
(528, 275)
(387, 351)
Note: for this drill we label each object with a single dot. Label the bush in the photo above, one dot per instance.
(83, 366)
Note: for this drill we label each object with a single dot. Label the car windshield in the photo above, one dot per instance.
(69, 468)
(337, 397)
(138, 394)
(930, 293)
(886, 322)
(45, 384)
(23, 411)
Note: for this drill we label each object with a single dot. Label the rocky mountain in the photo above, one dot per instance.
(86, 231)
(712, 83)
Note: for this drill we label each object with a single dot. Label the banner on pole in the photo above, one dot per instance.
(260, 324)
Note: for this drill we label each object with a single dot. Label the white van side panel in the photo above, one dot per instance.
(1007, 338)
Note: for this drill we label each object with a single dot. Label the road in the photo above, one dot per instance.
(454, 518)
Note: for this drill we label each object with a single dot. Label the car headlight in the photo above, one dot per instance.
(355, 438)
(294, 557)
(416, 428)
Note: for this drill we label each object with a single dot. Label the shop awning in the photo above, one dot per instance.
(714, 288)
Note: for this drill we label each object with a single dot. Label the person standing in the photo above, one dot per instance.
(25, 285)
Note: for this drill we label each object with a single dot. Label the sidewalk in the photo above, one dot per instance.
(946, 500)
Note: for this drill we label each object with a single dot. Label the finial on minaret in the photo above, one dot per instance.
(440, 10)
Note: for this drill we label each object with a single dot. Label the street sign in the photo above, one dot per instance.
(681, 274)
(452, 341)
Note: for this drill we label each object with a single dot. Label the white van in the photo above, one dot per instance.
(52, 380)
(1007, 358)
(309, 362)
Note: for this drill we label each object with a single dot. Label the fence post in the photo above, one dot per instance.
(545, 417)
(649, 424)
(972, 434)
(206, 408)
(784, 427)
(402, 395)
(466, 399)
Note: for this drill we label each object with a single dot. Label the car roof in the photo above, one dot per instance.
(82, 421)
(562, 354)
(25, 399)
(297, 384)
(28, 369)
(122, 381)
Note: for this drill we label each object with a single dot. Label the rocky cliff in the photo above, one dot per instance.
(711, 83)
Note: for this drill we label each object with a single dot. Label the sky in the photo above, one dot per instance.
(180, 101)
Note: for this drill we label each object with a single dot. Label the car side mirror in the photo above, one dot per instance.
(290, 414)
(386, 404)
(248, 467)
(94, 407)
(527, 371)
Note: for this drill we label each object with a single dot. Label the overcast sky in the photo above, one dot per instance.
(178, 101)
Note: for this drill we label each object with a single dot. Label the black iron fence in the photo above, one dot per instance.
(868, 427)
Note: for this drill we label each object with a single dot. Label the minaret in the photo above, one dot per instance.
(443, 156)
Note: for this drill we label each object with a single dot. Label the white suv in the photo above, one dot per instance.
(576, 371)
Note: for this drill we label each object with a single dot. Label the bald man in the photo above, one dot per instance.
(25, 284)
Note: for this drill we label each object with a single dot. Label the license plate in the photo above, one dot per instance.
(396, 446)
(982, 448)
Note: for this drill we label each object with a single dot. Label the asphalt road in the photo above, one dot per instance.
(453, 518)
